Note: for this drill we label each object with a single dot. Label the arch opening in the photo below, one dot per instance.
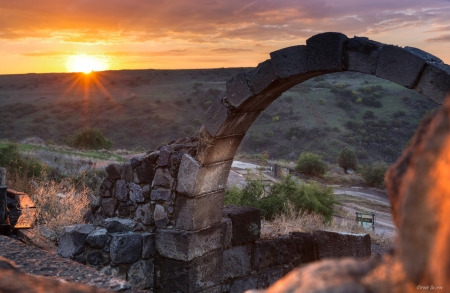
(247, 94)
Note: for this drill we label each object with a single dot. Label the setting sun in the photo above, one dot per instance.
(86, 64)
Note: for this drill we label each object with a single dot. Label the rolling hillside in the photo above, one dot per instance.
(143, 109)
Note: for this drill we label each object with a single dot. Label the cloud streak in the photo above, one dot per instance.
(203, 21)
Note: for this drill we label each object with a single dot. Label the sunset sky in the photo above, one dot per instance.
(51, 35)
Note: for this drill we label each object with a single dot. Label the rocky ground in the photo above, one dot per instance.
(35, 261)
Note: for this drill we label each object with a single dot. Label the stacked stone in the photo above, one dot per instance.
(144, 189)
(114, 248)
(250, 263)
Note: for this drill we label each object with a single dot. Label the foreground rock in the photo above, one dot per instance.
(14, 280)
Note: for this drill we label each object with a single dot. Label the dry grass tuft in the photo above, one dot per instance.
(59, 205)
(293, 221)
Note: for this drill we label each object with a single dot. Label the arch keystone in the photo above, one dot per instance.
(362, 55)
(326, 51)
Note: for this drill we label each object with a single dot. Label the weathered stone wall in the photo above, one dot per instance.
(238, 259)
(177, 192)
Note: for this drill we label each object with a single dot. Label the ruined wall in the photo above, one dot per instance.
(177, 192)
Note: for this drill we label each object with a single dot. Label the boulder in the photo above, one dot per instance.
(72, 239)
(125, 247)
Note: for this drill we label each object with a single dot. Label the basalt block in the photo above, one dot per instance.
(141, 274)
(144, 214)
(246, 223)
(114, 171)
(262, 77)
(306, 247)
(326, 51)
(162, 178)
(238, 90)
(399, 65)
(160, 194)
(290, 61)
(136, 194)
(198, 212)
(125, 247)
(337, 245)
(97, 238)
(127, 172)
(435, 82)
(217, 149)
(148, 245)
(185, 245)
(222, 121)
(113, 225)
(121, 190)
(72, 239)
(362, 55)
(109, 206)
(191, 276)
(106, 189)
(260, 280)
(236, 262)
(194, 179)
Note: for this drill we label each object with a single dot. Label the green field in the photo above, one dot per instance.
(143, 109)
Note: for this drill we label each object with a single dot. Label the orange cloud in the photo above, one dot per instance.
(204, 21)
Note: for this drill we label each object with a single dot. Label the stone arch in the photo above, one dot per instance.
(202, 179)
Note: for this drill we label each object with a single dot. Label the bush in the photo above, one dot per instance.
(373, 174)
(369, 115)
(89, 138)
(311, 164)
(311, 198)
(347, 159)
(17, 165)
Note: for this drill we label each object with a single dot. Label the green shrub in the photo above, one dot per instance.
(16, 164)
(311, 164)
(373, 174)
(312, 197)
(89, 138)
(347, 159)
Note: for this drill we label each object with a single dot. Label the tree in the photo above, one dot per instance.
(347, 159)
(373, 174)
(89, 138)
(311, 164)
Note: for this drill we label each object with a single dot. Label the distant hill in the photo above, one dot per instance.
(143, 109)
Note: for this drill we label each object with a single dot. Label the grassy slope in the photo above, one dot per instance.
(146, 108)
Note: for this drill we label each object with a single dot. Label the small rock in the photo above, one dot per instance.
(160, 216)
(136, 194)
(97, 238)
